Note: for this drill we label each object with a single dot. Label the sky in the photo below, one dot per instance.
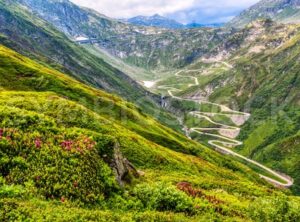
(184, 11)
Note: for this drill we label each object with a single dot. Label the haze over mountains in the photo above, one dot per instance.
(147, 120)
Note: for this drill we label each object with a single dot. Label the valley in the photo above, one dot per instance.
(225, 134)
(215, 66)
(146, 119)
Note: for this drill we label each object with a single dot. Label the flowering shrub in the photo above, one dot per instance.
(79, 145)
(189, 190)
(63, 164)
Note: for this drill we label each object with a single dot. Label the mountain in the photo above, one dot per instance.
(81, 141)
(60, 151)
(146, 47)
(285, 11)
(163, 22)
(34, 37)
(42, 36)
(253, 71)
(215, 46)
(66, 154)
(155, 21)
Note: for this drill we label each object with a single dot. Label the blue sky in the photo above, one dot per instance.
(185, 11)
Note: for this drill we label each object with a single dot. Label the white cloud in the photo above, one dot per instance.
(182, 10)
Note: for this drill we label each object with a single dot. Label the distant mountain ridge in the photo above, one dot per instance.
(164, 22)
(147, 47)
(283, 11)
(155, 21)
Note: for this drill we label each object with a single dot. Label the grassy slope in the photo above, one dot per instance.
(41, 109)
(267, 84)
(134, 72)
(36, 39)
(276, 101)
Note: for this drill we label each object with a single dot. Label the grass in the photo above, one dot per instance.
(136, 73)
(188, 106)
(91, 70)
(261, 171)
(257, 137)
(58, 135)
(58, 138)
(193, 122)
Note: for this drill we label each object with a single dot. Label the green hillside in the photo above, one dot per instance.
(37, 39)
(263, 81)
(61, 141)
(80, 140)
(269, 87)
(276, 111)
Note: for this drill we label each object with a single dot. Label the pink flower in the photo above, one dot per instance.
(67, 145)
(38, 143)
(1, 133)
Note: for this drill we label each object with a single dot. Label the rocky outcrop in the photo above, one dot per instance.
(121, 167)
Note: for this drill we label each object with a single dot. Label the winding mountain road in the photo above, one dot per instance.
(227, 133)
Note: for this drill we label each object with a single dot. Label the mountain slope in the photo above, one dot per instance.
(50, 126)
(246, 48)
(146, 47)
(261, 77)
(37, 39)
(156, 21)
(284, 11)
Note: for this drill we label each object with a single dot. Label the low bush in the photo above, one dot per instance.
(163, 197)
(275, 209)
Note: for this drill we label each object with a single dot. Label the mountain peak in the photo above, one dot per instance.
(155, 20)
(157, 15)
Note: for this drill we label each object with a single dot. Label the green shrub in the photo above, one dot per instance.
(11, 191)
(163, 197)
(275, 209)
(2, 181)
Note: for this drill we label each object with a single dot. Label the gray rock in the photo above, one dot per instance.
(121, 166)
